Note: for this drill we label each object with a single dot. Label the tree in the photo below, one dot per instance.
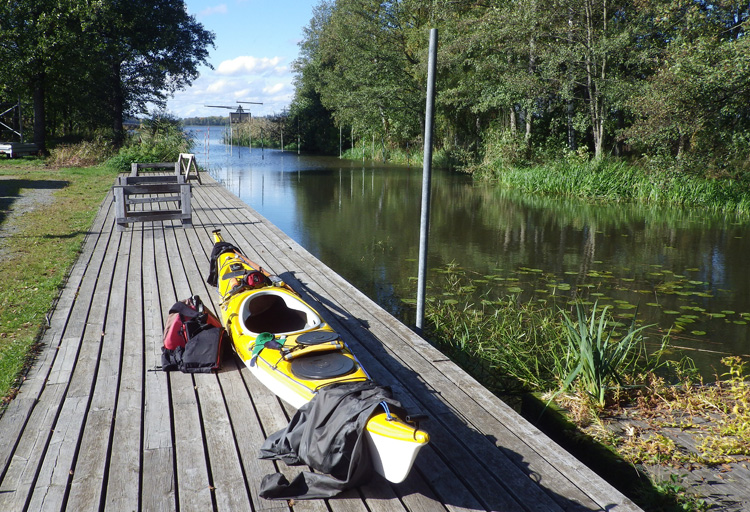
(536, 77)
(94, 60)
(316, 133)
(695, 106)
(150, 49)
(369, 67)
(36, 35)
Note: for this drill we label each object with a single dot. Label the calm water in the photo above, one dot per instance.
(684, 270)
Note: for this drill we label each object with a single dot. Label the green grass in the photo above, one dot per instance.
(618, 181)
(39, 252)
(510, 346)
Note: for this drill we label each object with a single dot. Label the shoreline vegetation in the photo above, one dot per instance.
(572, 358)
(611, 180)
(596, 387)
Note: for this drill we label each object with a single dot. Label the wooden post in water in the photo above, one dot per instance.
(424, 227)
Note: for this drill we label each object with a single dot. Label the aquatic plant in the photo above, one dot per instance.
(595, 358)
(509, 345)
(616, 181)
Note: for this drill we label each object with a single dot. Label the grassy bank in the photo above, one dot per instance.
(607, 180)
(591, 378)
(616, 181)
(411, 157)
(41, 245)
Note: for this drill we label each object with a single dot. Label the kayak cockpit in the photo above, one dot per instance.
(277, 312)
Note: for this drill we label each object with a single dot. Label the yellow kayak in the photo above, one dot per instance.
(286, 344)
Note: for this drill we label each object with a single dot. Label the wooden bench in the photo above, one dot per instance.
(185, 166)
(136, 168)
(152, 190)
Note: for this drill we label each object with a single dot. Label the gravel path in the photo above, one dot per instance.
(12, 207)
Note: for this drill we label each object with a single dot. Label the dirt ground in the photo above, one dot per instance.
(13, 206)
(666, 434)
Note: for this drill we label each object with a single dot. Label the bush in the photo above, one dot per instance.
(159, 140)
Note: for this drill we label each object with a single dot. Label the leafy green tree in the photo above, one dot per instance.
(95, 61)
(534, 77)
(35, 38)
(371, 73)
(149, 49)
(309, 120)
(695, 106)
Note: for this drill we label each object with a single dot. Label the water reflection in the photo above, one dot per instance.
(682, 269)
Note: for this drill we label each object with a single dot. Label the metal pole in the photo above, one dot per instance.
(424, 226)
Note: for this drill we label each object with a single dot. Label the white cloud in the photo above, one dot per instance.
(239, 79)
(246, 64)
(218, 86)
(275, 88)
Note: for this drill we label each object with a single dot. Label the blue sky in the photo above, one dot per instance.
(256, 43)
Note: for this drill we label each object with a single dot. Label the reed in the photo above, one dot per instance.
(509, 347)
(513, 346)
(616, 181)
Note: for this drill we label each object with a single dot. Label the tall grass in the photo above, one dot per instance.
(85, 153)
(512, 346)
(508, 345)
(613, 181)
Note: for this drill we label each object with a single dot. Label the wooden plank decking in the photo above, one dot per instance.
(95, 427)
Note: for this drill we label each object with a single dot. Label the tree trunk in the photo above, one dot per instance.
(528, 126)
(572, 143)
(595, 70)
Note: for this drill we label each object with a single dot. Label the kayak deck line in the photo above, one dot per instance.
(96, 426)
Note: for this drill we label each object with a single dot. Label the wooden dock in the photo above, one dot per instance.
(95, 426)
